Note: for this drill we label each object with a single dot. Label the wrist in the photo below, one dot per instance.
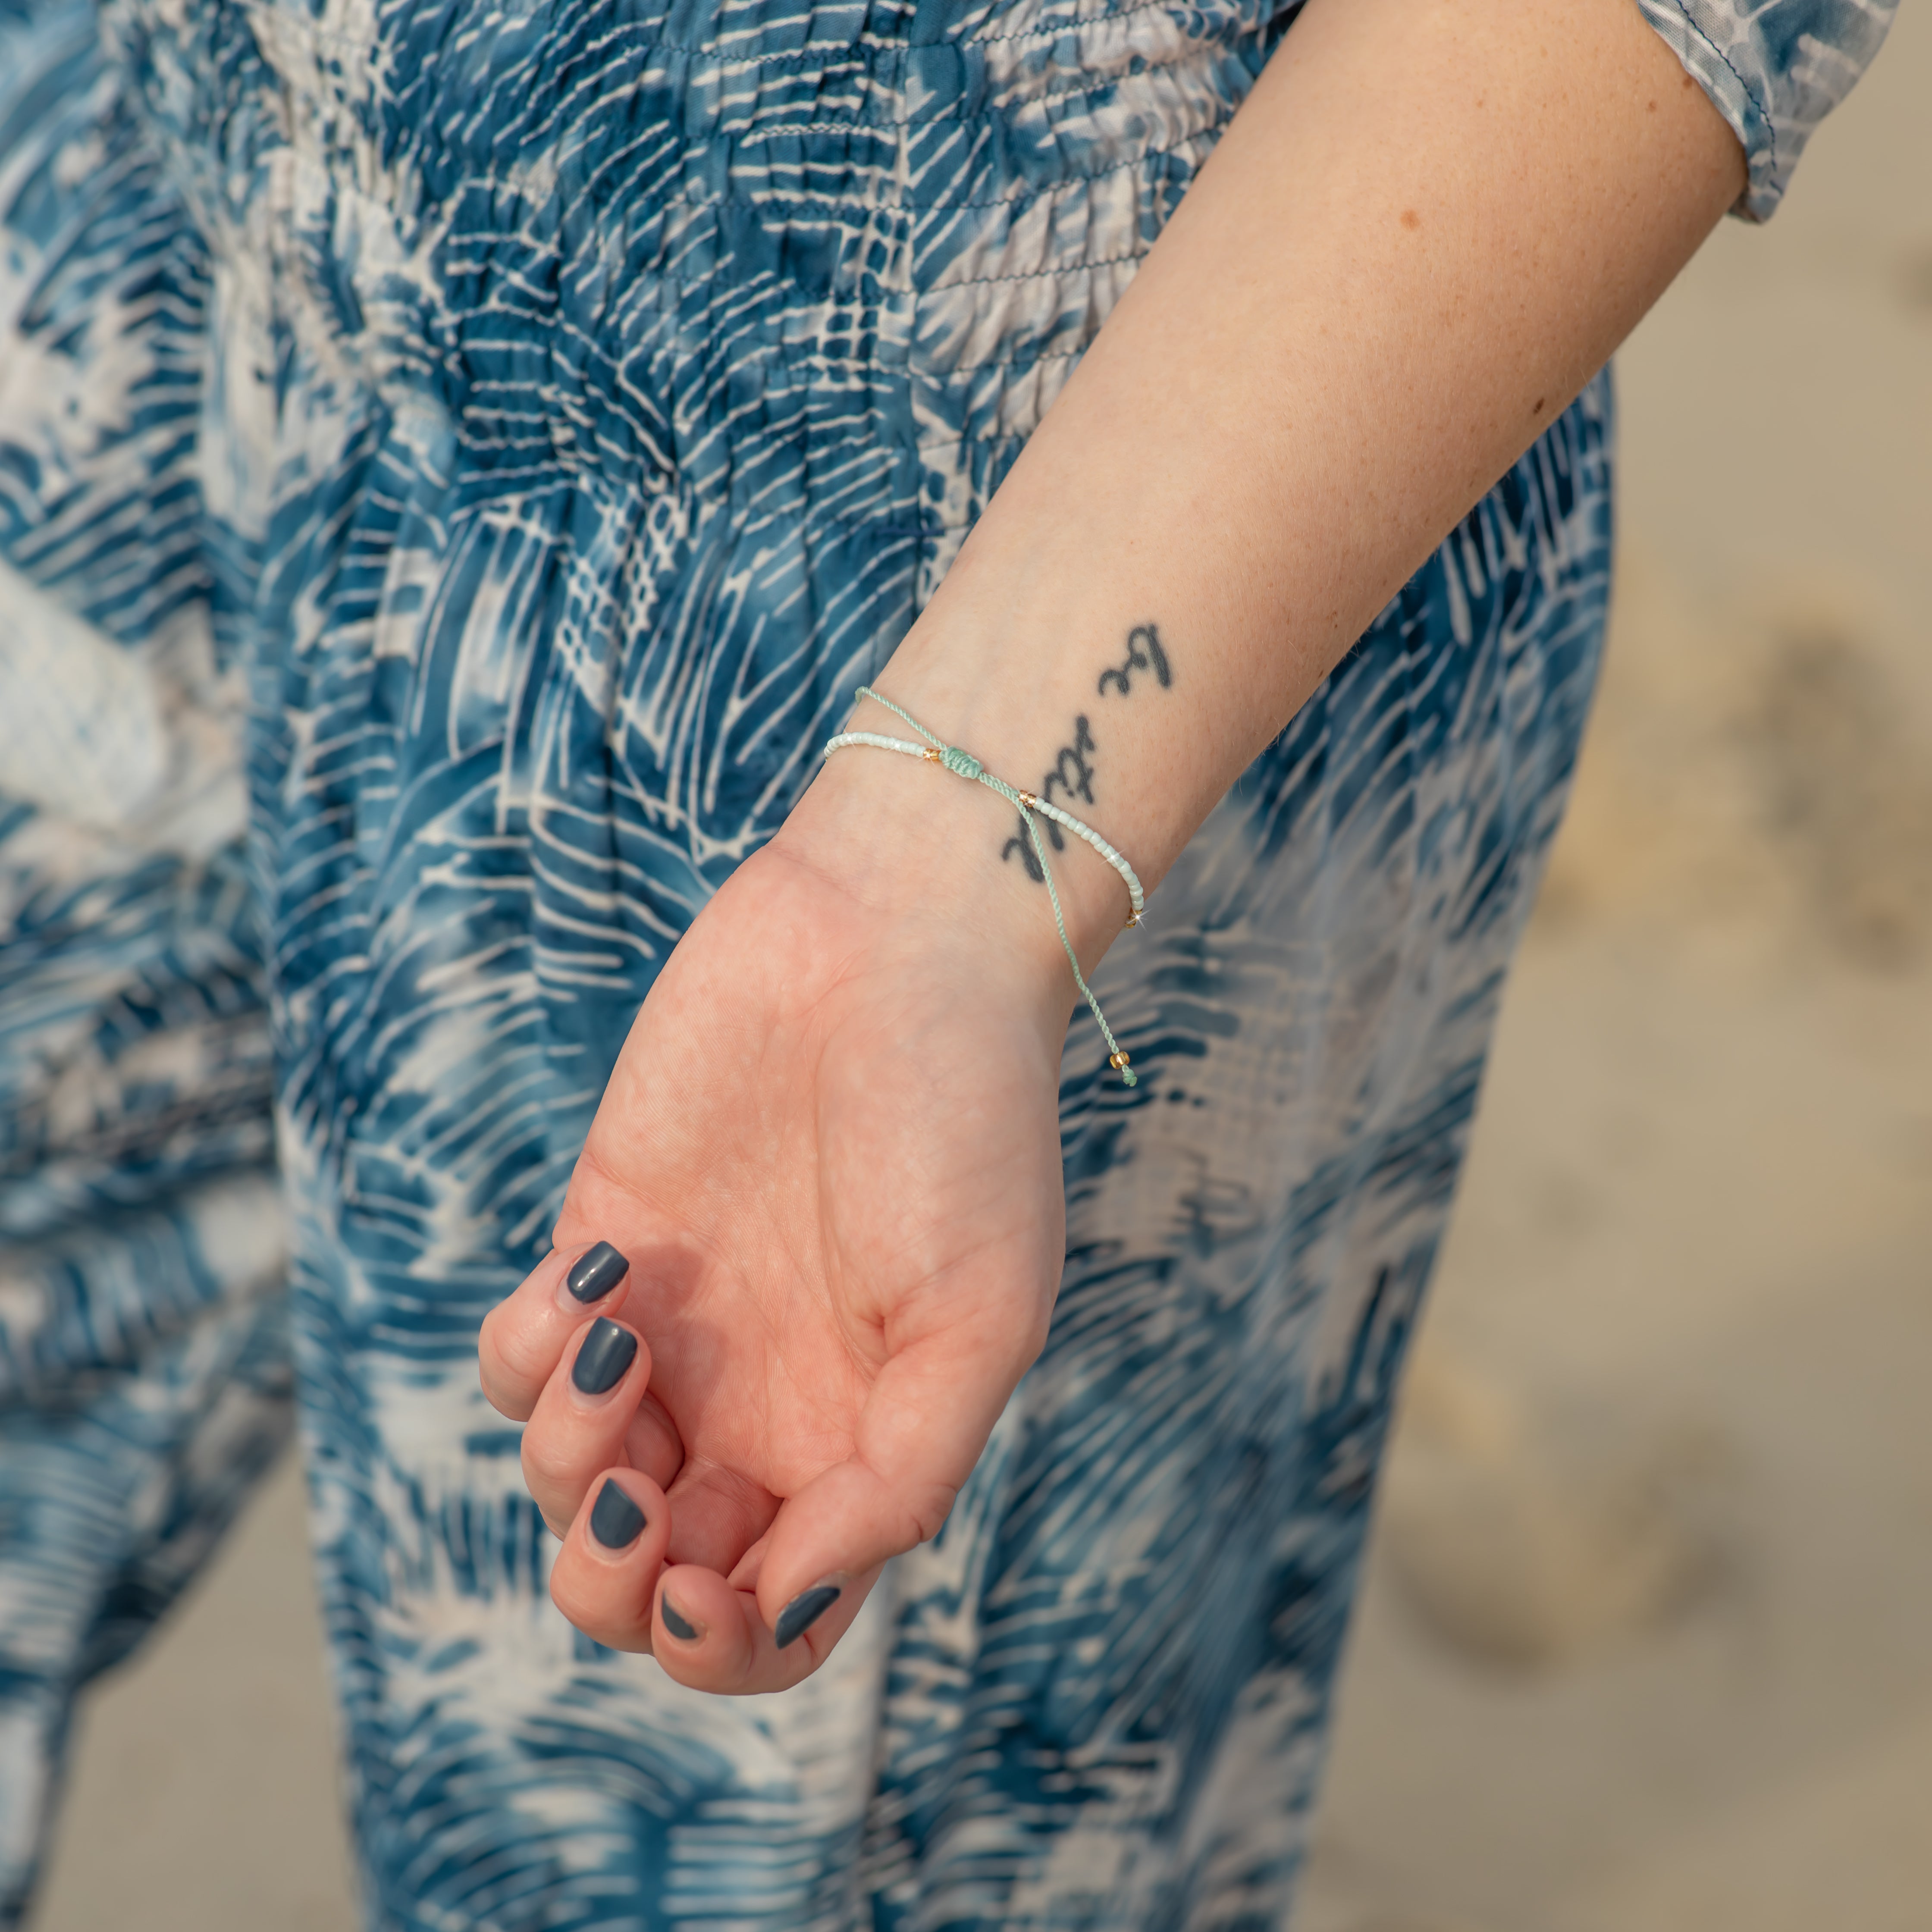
(1096, 715)
(910, 841)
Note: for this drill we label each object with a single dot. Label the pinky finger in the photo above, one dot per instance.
(605, 1577)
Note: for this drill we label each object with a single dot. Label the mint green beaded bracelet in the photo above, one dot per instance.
(963, 764)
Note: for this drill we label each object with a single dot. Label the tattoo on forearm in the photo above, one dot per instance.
(1070, 777)
(1144, 653)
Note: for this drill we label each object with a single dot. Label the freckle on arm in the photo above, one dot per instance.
(1410, 219)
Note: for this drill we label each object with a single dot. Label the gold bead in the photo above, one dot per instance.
(1117, 1060)
(930, 755)
(1027, 799)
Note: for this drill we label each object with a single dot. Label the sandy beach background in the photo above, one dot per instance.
(1644, 1643)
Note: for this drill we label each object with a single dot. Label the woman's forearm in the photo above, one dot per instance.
(1430, 224)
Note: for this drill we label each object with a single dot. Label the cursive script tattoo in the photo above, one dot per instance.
(1144, 653)
(1021, 844)
(1070, 777)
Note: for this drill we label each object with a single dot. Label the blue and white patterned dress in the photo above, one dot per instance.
(533, 420)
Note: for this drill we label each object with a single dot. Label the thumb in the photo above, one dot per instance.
(927, 1419)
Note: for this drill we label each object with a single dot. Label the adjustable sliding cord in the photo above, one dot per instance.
(963, 764)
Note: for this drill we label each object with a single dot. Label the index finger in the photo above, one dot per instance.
(524, 1337)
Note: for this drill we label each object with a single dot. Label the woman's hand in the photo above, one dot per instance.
(830, 1153)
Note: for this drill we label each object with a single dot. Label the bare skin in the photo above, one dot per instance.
(830, 1148)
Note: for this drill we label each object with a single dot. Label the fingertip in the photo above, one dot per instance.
(605, 1576)
(525, 1334)
(704, 1634)
(596, 1273)
(805, 1609)
(605, 1355)
(684, 1609)
(617, 1519)
(624, 1515)
(711, 1637)
(675, 1621)
(580, 1424)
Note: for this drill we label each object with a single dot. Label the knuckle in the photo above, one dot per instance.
(565, 1595)
(928, 1510)
(1029, 1338)
(568, 1593)
(510, 1386)
(520, 1357)
(585, 1603)
(549, 1464)
(501, 1396)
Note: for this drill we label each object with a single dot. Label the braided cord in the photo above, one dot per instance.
(963, 764)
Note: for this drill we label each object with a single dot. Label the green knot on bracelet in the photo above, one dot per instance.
(1031, 809)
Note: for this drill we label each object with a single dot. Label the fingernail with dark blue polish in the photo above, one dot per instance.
(675, 1623)
(804, 1610)
(596, 1272)
(607, 1352)
(615, 1521)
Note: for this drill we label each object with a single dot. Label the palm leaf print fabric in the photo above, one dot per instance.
(144, 1373)
(534, 420)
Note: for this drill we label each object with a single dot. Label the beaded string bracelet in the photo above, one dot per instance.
(1031, 808)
